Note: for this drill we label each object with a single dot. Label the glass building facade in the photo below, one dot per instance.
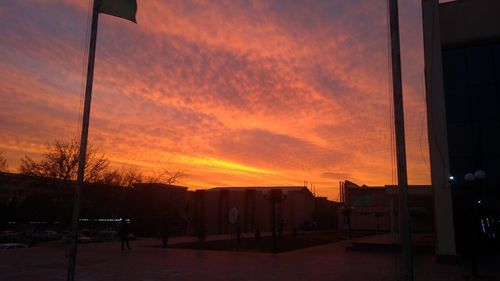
(471, 76)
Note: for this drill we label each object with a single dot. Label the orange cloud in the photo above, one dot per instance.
(235, 93)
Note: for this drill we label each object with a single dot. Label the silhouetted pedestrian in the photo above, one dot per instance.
(238, 234)
(257, 233)
(124, 234)
(280, 228)
(165, 234)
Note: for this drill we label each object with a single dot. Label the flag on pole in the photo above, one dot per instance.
(125, 9)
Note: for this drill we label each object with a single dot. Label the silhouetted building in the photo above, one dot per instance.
(297, 208)
(46, 202)
(375, 208)
(25, 199)
(156, 208)
(462, 70)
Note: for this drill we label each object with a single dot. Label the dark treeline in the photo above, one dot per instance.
(60, 161)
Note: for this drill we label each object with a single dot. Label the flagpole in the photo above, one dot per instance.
(404, 224)
(83, 144)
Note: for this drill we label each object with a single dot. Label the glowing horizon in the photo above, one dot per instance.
(234, 93)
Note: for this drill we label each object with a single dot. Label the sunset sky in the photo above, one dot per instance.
(254, 92)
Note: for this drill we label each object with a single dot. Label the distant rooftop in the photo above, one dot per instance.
(159, 185)
(260, 188)
(350, 184)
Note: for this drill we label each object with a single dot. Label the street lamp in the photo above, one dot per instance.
(274, 196)
(469, 177)
(479, 175)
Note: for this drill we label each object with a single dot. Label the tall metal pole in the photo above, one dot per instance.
(404, 224)
(83, 144)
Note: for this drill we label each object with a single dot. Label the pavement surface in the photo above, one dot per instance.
(147, 261)
(421, 243)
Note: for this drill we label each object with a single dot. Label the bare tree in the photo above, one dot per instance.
(124, 176)
(60, 161)
(166, 177)
(4, 167)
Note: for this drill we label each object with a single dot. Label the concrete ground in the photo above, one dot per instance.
(147, 261)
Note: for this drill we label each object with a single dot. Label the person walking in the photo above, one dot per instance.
(165, 234)
(124, 234)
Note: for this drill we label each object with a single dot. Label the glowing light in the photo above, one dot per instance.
(217, 163)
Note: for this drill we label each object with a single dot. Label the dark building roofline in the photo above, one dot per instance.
(350, 184)
(257, 187)
(261, 188)
(159, 185)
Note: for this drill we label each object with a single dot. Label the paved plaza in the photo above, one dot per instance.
(147, 262)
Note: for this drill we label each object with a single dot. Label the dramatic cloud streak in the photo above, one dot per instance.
(233, 92)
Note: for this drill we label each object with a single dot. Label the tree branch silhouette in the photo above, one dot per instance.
(60, 161)
(167, 177)
(4, 167)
